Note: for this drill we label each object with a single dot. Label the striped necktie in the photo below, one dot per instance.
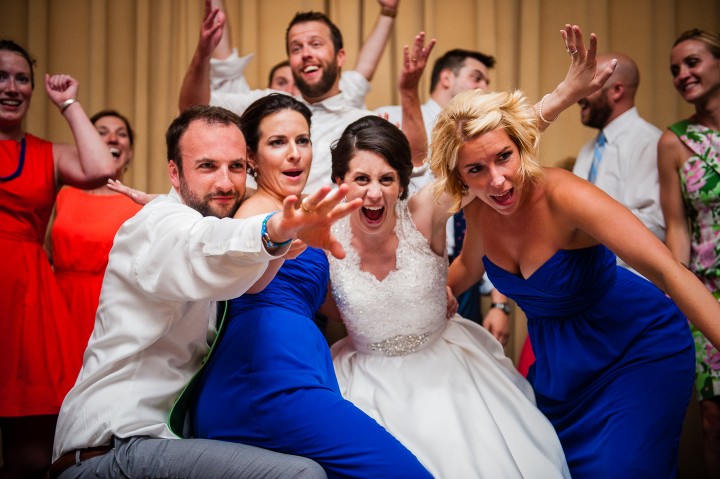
(600, 143)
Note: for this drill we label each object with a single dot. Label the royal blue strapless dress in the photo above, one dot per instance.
(614, 362)
(270, 383)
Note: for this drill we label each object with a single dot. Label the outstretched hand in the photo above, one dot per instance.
(60, 88)
(414, 63)
(139, 197)
(582, 78)
(310, 219)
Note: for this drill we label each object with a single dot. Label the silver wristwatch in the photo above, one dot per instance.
(502, 307)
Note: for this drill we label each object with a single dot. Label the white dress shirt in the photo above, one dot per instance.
(227, 76)
(167, 268)
(329, 119)
(628, 171)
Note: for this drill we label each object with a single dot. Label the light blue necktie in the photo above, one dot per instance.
(600, 143)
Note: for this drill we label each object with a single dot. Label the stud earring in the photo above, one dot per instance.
(465, 190)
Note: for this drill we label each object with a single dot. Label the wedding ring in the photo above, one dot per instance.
(572, 52)
(305, 207)
(413, 59)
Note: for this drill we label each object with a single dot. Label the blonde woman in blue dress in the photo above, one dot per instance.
(443, 387)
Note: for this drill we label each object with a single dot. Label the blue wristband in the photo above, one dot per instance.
(270, 244)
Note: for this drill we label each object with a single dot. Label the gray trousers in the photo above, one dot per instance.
(146, 457)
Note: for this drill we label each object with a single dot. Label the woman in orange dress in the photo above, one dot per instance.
(85, 225)
(40, 359)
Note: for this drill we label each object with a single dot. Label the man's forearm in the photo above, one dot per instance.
(195, 89)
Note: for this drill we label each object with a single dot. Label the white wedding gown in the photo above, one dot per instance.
(444, 388)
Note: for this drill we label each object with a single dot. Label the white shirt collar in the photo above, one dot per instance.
(619, 124)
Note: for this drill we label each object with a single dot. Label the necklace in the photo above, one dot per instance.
(21, 163)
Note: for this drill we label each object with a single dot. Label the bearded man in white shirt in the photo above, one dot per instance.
(168, 267)
(316, 55)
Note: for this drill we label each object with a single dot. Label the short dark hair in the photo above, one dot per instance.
(10, 46)
(265, 106)
(377, 135)
(454, 60)
(312, 16)
(284, 63)
(210, 115)
(104, 113)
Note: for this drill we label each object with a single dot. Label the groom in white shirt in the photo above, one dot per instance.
(168, 267)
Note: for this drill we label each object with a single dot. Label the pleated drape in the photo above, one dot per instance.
(131, 54)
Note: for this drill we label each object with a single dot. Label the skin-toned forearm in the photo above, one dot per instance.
(96, 161)
(693, 299)
(413, 126)
(224, 49)
(497, 297)
(412, 121)
(671, 152)
(195, 89)
(374, 46)
(677, 240)
(461, 276)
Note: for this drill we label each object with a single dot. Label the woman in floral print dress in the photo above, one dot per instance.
(689, 165)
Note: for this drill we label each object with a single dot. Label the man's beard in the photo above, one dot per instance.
(598, 113)
(202, 205)
(330, 74)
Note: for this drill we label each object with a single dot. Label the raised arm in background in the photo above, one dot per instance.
(195, 89)
(374, 45)
(412, 120)
(88, 163)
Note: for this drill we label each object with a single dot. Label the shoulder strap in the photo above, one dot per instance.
(679, 128)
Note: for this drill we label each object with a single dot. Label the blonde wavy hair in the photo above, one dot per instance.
(470, 114)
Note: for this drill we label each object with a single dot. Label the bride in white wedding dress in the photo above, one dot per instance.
(443, 387)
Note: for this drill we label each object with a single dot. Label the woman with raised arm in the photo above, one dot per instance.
(689, 166)
(40, 356)
(606, 339)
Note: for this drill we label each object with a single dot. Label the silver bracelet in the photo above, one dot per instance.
(70, 101)
(540, 113)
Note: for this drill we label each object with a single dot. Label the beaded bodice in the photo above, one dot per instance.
(404, 311)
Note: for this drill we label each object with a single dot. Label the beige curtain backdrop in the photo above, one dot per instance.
(131, 54)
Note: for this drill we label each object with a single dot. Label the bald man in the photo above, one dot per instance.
(624, 165)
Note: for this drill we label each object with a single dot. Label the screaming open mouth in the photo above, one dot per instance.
(373, 213)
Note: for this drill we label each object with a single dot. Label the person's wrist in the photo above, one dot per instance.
(269, 244)
(504, 307)
(66, 104)
(388, 12)
(542, 112)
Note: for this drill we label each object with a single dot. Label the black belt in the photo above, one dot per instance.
(73, 457)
